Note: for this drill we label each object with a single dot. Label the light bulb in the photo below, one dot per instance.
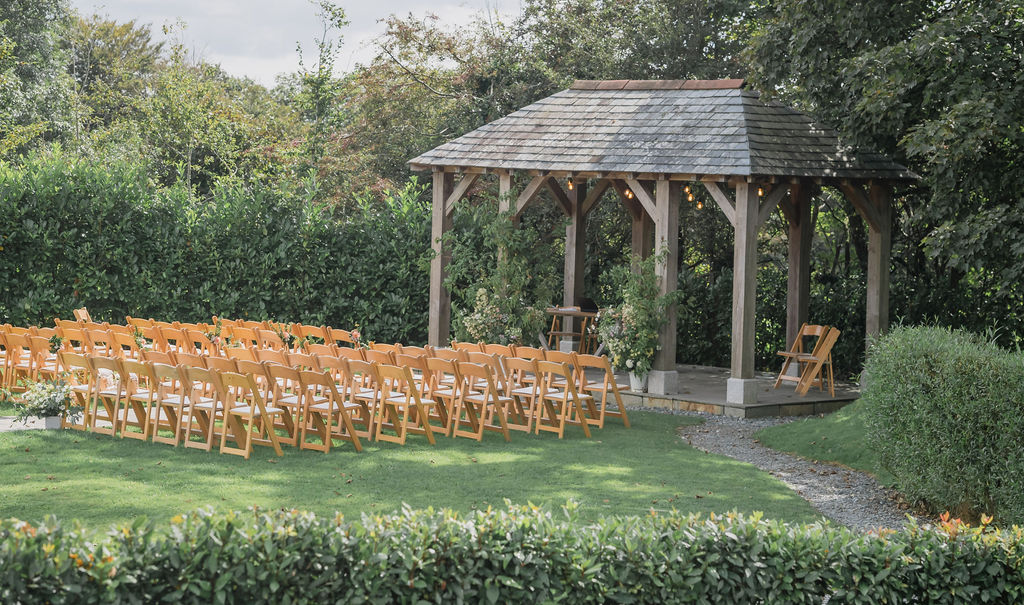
(686, 189)
(570, 184)
(760, 192)
(700, 205)
(629, 193)
(689, 198)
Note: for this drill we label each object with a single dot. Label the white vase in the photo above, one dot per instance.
(51, 422)
(637, 383)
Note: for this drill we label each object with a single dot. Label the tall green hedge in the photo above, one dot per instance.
(516, 556)
(79, 233)
(943, 408)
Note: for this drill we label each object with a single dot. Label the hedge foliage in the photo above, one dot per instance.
(943, 409)
(521, 555)
(76, 233)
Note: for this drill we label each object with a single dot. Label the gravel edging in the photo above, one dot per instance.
(844, 495)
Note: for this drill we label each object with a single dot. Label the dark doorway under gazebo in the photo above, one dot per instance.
(646, 141)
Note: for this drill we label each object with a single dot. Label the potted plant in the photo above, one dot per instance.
(49, 400)
(630, 330)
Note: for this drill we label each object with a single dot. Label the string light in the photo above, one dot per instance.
(687, 189)
(700, 205)
(760, 192)
(689, 197)
(570, 184)
(629, 193)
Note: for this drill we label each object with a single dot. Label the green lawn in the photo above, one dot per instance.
(838, 437)
(100, 480)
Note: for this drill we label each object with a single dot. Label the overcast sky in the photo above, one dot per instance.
(257, 38)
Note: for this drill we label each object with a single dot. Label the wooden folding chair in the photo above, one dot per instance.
(154, 356)
(20, 362)
(360, 408)
(80, 378)
(43, 362)
(240, 353)
(139, 322)
(201, 343)
(110, 390)
(318, 333)
(365, 386)
(82, 314)
(329, 350)
(278, 356)
(203, 407)
(378, 356)
(286, 396)
(304, 361)
(798, 354)
(246, 337)
(140, 399)
(415, 351)
(220, 364)
(401, 408)
(247, 420)
(560, 403)
(326, 413)
(443, 385)
(74, 340)
(480, 403)
(175, 339)
(171, 404)
(523, 388)
(269, 339)
(605, 385)
(501, 350)
(125, 346)
(469, 347)
(350, 353)
(101, 342)
(814, 362)
(524, 352)
(342, 338)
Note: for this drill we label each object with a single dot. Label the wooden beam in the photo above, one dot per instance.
(723, 201)
(744, 280)
(855, 194)
(594, 195)
(460, 191)
(529, 193)
(771, 201)
(879, 258)
(575, 252)
(643, 196)
(664, 378)
(801, 232)
(634, 208)
(560, 196)
(440, 305)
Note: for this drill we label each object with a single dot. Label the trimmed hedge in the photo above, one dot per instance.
(521, 555)
(944, 411)
(75, 233)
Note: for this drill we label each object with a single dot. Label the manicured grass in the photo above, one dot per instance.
(101, 480)
(838, 437)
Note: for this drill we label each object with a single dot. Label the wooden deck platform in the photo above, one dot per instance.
(702, 389)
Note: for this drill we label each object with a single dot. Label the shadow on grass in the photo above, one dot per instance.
(101, 480)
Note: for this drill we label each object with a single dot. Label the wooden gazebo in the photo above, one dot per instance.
(646, 140)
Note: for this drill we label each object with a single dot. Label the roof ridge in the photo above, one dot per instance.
(729, 84)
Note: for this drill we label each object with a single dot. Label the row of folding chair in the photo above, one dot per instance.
(25, 356)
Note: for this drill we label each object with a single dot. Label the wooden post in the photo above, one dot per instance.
(742, 386)
(801, 231)
(879, 253)
(664, 378)
(643, 228)
(575, 250)
(439, 332)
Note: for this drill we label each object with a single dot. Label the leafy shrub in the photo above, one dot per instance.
(521, 555)
(76, 233)
(943, 410)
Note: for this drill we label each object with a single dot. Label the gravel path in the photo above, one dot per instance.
(846, 496)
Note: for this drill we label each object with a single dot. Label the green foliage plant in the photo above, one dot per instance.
(45, 398)
(508, 288)
(520, 554)
(942, 409)
(630, 330)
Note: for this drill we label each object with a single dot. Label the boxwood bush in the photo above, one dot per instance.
(518, 555)
(943, 408)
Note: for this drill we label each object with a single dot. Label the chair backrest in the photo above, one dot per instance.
(304, 361)
(220, 364)
(386, 347)
(823, 348)
(139, 322)
(411, 350)
(550, 370)
(140, 375)
(238, 390)
(397, 379)
(167, 376)
(269, 339)
(154, 356)
(108, 364)
(64, 324)
(413, 362)
(529, 352)
(339, 336)
(363, 374)
(118, 328)
(328, 349)
(240, 353)
(335, 366)
(384, 357)
(467, 346)
(277, 356)
(351, 353)
(248, 366)
(442, 372)
(75, 364)
(74, 339)
(245, 336)
(174, 339)
(201, 343)
(808, 330)
(44, 332)
(521, 372)
(496, 349)
(304, 331)
(479, 378)
(281, 377)
(100, 342)
(190, 360)
(82, 314)
(450, 354)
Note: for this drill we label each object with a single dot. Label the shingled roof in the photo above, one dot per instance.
(693, 127)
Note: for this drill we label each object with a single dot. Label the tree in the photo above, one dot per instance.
(35, 93)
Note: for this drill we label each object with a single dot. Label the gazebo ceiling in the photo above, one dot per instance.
(671, 127)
